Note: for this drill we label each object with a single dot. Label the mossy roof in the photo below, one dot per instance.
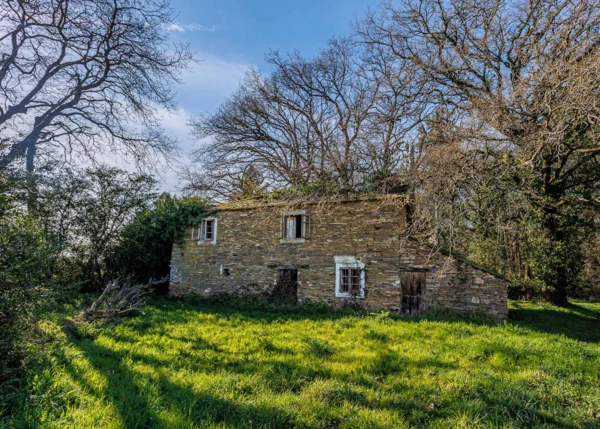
(252, 203)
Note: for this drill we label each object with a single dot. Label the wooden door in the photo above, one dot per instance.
(413, 285)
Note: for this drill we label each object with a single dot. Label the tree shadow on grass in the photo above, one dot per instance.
(575, 322)
(203, 407)
(521, 411)
(254, 311)
(146, 401)
(274, 314)
(141, 398)
(154, 399)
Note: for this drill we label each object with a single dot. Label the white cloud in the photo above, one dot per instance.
(176, 120)
(204, 87)
(182, 28)
(213, 77)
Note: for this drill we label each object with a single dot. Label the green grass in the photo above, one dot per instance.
(186, 364)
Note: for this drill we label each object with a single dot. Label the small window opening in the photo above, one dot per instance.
(412, 284)
(295, 226)
(350, 280)
(225, 272)
(208, 230)
(409, 214)
(208, 234)
(299, 226)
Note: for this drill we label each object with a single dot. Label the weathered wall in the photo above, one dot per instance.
(456, 284)
(248, 244)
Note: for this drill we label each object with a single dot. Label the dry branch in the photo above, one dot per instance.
(121, 298)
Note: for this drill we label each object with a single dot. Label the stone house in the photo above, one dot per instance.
(342, 251)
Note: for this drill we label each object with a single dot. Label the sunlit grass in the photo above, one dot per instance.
(185, 365)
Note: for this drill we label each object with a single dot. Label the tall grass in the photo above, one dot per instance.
(221, 365)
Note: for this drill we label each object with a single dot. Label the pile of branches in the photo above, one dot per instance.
(121, 298)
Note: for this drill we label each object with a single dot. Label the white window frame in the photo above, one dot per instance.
(305, 226)
(202, 231)
(348, 262)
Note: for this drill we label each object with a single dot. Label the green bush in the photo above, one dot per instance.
(27, 284)
(145, 245)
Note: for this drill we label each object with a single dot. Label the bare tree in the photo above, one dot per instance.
(81, 76)
(393, 150)
(522, 77)
(345, 97)
(330, 122)
(254, 128)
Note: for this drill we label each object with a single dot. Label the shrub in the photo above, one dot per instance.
(145, 245)
(26, 285)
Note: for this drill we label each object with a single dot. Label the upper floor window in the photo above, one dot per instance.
(208, 230)
(295, 226)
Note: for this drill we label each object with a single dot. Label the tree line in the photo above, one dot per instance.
(484, 112)
(80, 79)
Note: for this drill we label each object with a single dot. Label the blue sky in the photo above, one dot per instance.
(229, 36)
(233, 33)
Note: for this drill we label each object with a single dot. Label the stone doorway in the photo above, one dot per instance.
(286, 289)
(413, 285)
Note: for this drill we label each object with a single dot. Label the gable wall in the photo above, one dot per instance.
(248, 244)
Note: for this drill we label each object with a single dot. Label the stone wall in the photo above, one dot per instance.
(456, 283)
(248, 248)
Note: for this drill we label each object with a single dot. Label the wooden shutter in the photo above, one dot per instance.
(290, 225)
(306, 226)
(282, 226)
(202, 230)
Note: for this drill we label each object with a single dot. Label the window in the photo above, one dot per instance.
(350, 277)
(409, 214)
(224, 271)
(295, 226)
(350, 280)
(208, 230)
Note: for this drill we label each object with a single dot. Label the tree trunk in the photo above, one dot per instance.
(559, 294)
(30, 144)
(560, 265)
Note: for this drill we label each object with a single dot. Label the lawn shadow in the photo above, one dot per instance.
(391, 362)
(203, 407)
(143, 399)
(138, 398)
(519, 410)
(275, 314)
(148, 401)
(575, 322)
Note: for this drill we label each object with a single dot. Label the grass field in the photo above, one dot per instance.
(186, 364)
